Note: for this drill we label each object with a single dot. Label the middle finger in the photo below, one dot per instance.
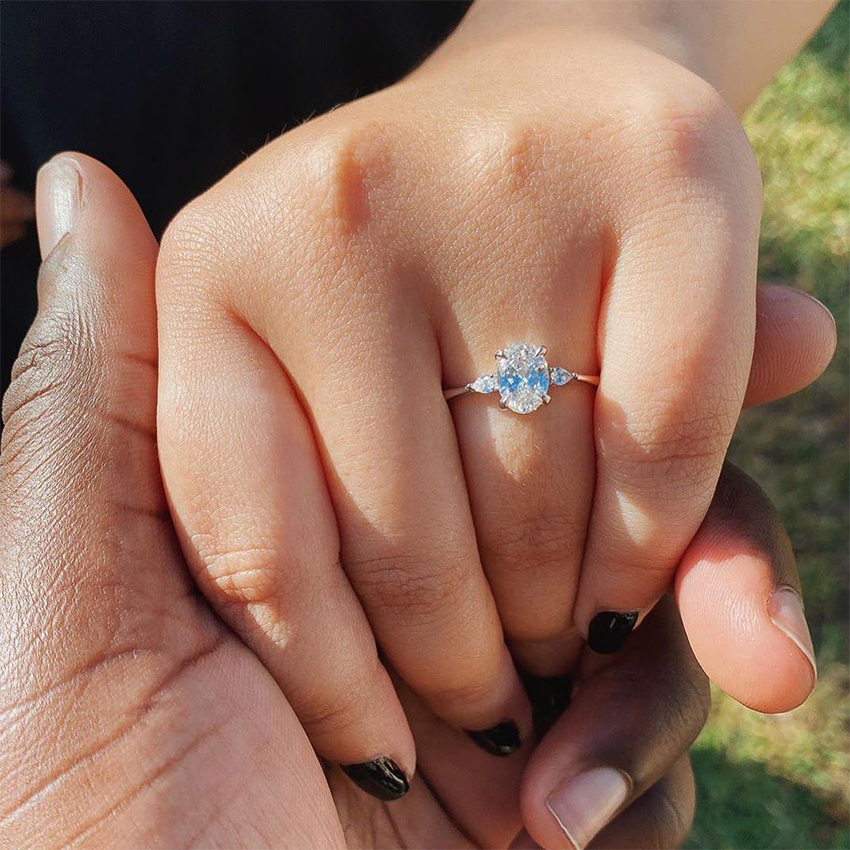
(530, 477)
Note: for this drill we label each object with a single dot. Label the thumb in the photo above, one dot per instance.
(87, 365)
(795, 340)
(119, 690)
(739, 596)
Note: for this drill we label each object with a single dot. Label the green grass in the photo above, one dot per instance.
(784, 781)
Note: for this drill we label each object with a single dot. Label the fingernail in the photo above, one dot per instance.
(786, 613)
(500, 740)
(780, 293)
(549, 698)
(825, 310)
(585, 804)
(58, 194)
(609, 630)
(381, 777)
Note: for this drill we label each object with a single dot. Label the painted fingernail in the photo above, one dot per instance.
(58, 196)
(609, 630)
(381, 777)
(549, 697)
(500, 740)
(585, 804)
(786, 613)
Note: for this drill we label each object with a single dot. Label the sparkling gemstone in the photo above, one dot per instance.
(523, 377)
(484, 384)
(560, 376)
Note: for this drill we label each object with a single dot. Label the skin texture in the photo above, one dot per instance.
(572, 186)
(135, 717)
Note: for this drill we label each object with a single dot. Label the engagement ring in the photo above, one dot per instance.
(522, 379)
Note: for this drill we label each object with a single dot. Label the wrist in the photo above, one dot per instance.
(657, 25)
(712, 39)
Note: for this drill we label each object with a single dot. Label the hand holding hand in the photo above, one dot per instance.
(134, 717)
(573, 186)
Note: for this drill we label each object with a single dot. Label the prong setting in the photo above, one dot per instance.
(522, 379)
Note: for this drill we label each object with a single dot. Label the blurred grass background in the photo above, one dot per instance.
(784, 781)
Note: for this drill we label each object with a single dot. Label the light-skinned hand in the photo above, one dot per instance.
(133, 716)
(573, 186)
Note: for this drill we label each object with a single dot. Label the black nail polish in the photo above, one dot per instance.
(609, 630)
(381, 777)
(549, 696)
(500, 740)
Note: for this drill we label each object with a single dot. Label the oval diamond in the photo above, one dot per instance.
(523, 377)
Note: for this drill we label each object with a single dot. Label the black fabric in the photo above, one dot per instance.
(172, 95)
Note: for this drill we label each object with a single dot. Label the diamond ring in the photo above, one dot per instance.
(522, 379)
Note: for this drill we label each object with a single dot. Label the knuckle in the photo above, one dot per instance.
(326, 185)
(358, 172)
(530, 546)
(511, 154)
(689, 131)
(58, 370)
(292, 213)
(454, 697)
(406, 587)
(38, 370)
(189, 249)
(189, 230)
(525, 165)
(672, 441)
(253, 579)
(341, 708)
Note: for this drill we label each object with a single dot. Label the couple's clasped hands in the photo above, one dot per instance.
(330, 504)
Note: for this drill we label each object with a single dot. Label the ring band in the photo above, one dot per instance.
(522, 379)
